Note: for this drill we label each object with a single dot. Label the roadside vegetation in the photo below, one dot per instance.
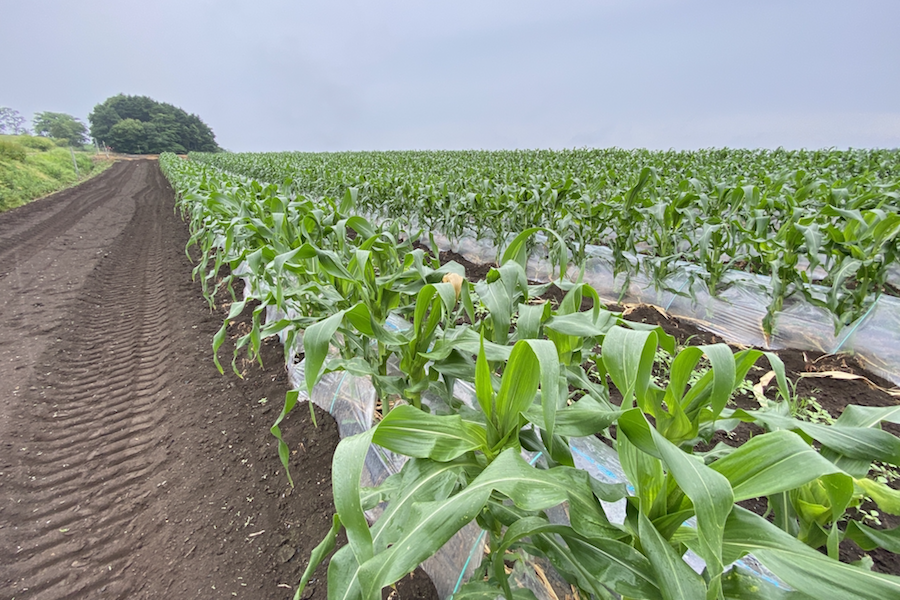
(31, 167)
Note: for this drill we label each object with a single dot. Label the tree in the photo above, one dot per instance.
(60, 126)
(163, 127)
(11, 121)
(128, 136)
(102, 120)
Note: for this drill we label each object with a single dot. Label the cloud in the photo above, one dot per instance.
(756, 130)
(317, 75)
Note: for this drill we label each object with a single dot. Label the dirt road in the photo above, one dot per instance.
(128, 466)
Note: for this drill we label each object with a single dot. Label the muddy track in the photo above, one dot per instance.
(129, 467)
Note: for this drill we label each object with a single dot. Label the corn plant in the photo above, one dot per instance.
(470, 468)
(541, 376)
(814, 511)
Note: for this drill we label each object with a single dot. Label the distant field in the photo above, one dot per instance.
(803, 218)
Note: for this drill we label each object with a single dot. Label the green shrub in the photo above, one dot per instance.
(11, 151)
(36, 143)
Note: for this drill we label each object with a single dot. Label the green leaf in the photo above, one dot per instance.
(722, 373)
(430, 524)
(681, 582)
(470, 341)
(330, 262)
(361, 226)
(284, 453)
(316, 340)
(419, 481)
(522, 528)
(531, 316)
(868, 538)
(482, 590)
(577, 324)
(887, 498)
(499, 304)
(343, 575)
(412, 432)
(800, 566)
(644, 471)
(863, 443)
(349, 459)
(517, 249)
(618, 566)
(743, 584)
(583, 418)
(771, 463)
(709, 491)
(219, 338)
(868, 416)
(840, 491)
(484, 388)
(548, 361)
(323, 549)
(518, 387)
(628, 357)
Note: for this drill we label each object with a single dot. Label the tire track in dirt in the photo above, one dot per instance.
(52, 216)
(91, 467)
(45, 275)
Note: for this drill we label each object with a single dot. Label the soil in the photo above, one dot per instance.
(129, 467)
(474, 271)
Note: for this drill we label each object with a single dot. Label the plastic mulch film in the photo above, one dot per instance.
(735, 313)
(876, 339)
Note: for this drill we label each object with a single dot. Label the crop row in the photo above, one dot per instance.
(805, 219)
(542, 375)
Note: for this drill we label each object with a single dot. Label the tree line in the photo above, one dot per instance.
(127, 124)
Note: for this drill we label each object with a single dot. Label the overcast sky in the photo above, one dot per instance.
(404, 74)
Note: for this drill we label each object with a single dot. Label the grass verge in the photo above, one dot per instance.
(32, 167)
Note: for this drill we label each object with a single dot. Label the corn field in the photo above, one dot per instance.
(326, 243)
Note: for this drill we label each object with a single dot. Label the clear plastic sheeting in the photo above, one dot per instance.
(877, 339)
(351, 401)
(736, 313)
(602, 463)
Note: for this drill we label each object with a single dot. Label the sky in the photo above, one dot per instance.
(338, 75)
